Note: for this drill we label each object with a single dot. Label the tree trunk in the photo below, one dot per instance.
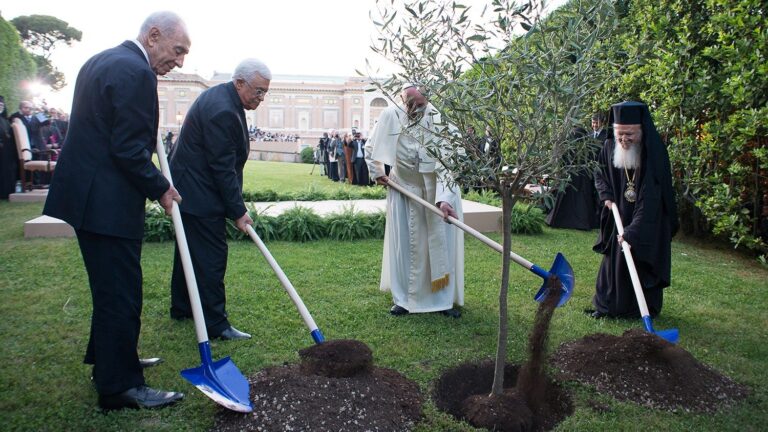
(508, 201)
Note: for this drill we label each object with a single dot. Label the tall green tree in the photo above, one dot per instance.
(702, 65)
(40, 34)
(17, 65)
(521, 77)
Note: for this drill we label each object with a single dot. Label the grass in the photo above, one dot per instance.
(282, 177)
(717, 300)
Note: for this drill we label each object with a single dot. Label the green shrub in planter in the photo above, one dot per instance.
(300, 224)
(307, 156)
(527, 219)
(260, 195)
(349, 225)
(157, 226)
(485, 196)
(373, 192)
(311, 193)
(264, 225)
(377, 222)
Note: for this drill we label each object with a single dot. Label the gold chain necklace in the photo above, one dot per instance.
(630, 193)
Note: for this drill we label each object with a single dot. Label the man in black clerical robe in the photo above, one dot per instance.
(576, 205)
(641, 187)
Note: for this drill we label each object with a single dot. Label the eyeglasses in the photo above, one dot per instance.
(258, 92)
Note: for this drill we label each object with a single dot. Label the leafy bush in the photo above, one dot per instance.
(157, 226)
(314, 194)
(311, 193)
(377, 221)
(300, 224)
(307, 155)
(264, 225)
(350, 225)
(527, 219)
(484, 196)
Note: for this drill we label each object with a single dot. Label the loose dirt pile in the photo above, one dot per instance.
(336, 388)
(644, 368)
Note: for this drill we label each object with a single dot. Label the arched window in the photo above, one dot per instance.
(379, 102)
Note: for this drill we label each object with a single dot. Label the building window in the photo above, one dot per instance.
(379, 102)
(330, 119)
(182, 92)
(276, 99)
(356, 101)
(330, 101)
(275, 118)
(303, 117)
(161, 91)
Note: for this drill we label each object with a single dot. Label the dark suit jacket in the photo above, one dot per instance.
(207, 162)
(105, 172)
(353, 146)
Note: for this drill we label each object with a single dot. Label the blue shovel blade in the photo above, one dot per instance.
(670, 335)
(564, 272)
(222, 382)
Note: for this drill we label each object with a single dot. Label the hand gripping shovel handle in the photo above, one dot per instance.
(221, 380)
(671, 334)
(186, 259)
(566, 279)
(317, 335)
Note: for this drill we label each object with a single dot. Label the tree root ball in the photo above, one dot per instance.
(340, 358)
(506, 412)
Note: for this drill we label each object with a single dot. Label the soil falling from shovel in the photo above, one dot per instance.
(534, 404)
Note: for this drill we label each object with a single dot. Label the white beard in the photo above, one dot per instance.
(629, 159)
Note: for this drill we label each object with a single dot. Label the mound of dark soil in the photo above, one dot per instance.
(336, 358)
(314, 396)
(644, 368)
(456, 385)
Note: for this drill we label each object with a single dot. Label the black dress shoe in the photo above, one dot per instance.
(149, 362)
(398, 310)
(232, 333)
(139, 397)
(595, 314)
(453, 313)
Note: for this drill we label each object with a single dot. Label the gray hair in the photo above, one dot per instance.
(249, 68)
(166, 21)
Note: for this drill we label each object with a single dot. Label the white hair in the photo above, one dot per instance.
(166, 21)
(249, 68)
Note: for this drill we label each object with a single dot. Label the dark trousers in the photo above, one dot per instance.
(361, 172)
(207, 240)
(114, 273)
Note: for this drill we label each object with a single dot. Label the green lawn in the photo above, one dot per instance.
(717, 300)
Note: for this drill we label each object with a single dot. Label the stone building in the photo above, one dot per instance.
(301, 105)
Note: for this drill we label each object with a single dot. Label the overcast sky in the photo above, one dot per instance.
(296, 37)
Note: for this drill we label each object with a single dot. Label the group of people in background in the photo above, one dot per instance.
(343, 158)
(46, 129)
(258, 134)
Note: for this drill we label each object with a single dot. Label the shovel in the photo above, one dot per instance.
(670, 335)
(220, 380)
(316, 334)
(560, 266)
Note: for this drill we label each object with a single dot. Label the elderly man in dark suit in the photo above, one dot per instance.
(104, 176)
(207, 168)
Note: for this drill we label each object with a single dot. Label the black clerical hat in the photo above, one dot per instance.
(628, 113)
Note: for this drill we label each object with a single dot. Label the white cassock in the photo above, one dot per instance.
(423, 262)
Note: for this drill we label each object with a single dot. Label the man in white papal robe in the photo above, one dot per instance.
(423, 262)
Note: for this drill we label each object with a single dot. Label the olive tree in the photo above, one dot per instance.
(510, 71)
